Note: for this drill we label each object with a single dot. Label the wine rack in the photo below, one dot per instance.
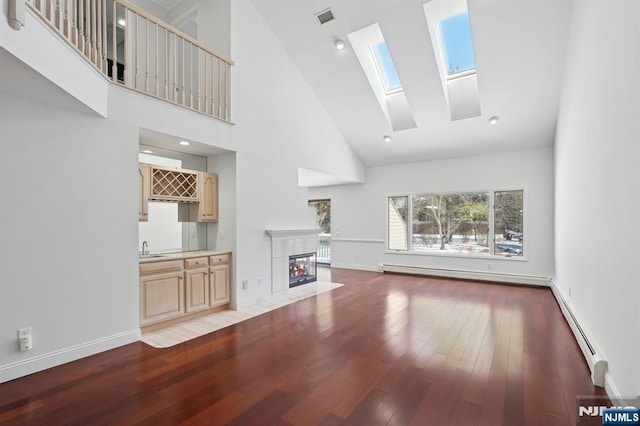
(173, 185)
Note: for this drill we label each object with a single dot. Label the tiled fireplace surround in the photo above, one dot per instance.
(285, 243)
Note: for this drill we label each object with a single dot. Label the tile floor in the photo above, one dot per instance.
(178, 333)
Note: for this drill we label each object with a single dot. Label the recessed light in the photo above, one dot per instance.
(184, 143)
(387, 138)
(122, 22)
(494, 120)
(339, 44)
(147, 151)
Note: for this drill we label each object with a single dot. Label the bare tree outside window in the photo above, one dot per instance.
(323, 211)
(451, 222)
(323, 219)
(508, 223)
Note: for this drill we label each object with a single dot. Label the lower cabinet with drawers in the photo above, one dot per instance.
(180, 289)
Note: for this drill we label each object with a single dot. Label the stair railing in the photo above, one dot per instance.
(143, 53)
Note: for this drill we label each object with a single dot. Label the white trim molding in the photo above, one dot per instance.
(468, 275)
(592, 354)
(357, 240)
(292, 233)
(62, 356)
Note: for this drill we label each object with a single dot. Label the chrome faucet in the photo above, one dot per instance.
(144, 244)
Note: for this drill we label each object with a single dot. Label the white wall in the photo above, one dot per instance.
(69, 233)
(214, 22)
(153, 8)
(280, 126)
(597, 175)
(38, 46)
(222, 235)
(358, 212)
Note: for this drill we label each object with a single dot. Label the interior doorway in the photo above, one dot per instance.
(323, 220)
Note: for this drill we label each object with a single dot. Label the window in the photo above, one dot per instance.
(457, 45)
(386, 69)
(508, 227)
(451, 222)
(397, 223)
(458, 223)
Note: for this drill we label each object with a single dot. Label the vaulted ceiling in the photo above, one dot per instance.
(519, 45)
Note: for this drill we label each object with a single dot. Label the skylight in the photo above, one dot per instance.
(385, 67)
(457, 45)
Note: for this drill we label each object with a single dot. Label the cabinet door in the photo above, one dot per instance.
(197, 289)
(219, 285)
(143, 192)
(161, 297)
(208, 206)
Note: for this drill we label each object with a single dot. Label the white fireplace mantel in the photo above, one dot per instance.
(285, 243)
(292, 233)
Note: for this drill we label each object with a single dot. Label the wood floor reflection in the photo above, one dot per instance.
(383, 349)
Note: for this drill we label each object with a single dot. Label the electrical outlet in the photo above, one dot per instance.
(489, 266)
(245, 284)
(24, 339)
(259, 281)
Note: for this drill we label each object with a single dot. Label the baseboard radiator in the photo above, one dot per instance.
(467, 275)
(597, 364)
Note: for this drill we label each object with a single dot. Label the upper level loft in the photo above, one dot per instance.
(137, 50)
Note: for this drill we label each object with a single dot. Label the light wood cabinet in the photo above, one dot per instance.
(208, 203)
(143, 192)
(178, 289)
(173, 184)
(219, 279)
(161, 297)
(196, 284)
(206, 209)
(196, 192)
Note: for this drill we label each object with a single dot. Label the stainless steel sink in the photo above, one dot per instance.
(148, 256)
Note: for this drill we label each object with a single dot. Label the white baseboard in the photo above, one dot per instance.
(357, 267)
(469, 275)
(597, 363)
(62, 356)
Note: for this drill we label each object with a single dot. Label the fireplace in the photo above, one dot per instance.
(287, 244)
(302, 269)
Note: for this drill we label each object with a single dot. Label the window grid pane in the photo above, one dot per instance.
(508, 226)
(386, 68)
(453, 223)
(397, 222)
(457, 44)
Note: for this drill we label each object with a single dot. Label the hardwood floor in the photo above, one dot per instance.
(383, 349)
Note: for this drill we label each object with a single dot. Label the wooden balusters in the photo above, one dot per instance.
(105, 46)
(157, 57)
(135, 47)
(81, 35)
(197, 79)
(114, 43)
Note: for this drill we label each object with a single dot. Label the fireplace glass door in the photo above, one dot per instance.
(302, 269)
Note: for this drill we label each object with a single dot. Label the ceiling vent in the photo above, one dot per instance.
(324, 16)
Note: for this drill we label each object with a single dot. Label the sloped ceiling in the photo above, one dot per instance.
(519, 45)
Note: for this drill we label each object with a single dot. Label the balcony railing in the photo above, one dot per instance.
(139, 51)
(324, 248)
